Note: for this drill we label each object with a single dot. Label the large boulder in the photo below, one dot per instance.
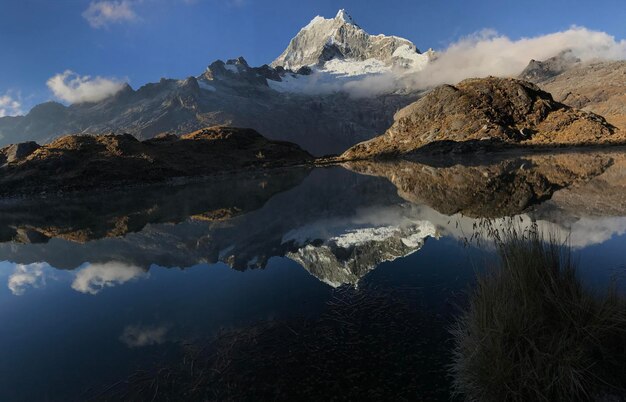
(15, 152)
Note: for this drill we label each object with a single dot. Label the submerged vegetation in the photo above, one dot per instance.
(532, 332)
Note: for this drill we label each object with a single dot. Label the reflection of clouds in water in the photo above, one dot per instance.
(24, 276)
(581, 233)
(135, 336)
(587, 231)
(95, 277)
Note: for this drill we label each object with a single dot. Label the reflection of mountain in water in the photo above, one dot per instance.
(350, 256)
(337, 224)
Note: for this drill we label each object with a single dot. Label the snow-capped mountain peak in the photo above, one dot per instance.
(345, 17)
(340, 38)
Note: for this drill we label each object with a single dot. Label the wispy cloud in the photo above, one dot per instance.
(73, 88)
(10, 105)
(103, 13)
(95, 277)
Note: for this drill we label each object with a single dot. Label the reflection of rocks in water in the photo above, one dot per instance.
(490, 189)
(112, 214)
(347, 258)
(603, 195)
(244, 224)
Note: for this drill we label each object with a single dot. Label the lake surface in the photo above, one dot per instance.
(338, 282)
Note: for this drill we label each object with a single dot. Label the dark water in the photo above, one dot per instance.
(347, 277)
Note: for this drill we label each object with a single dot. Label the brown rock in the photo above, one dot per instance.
(598, 87)
(83, 161)
(500, 110)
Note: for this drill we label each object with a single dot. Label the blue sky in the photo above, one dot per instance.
(144, 40)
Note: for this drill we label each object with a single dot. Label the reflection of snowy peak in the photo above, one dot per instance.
(347, 258)
(339, 45)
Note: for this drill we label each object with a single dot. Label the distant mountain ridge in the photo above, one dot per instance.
(283, 101)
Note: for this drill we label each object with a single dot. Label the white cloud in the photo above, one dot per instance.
(488, 53)
(135, 336)
(95, 277)
(73, 88)
(101, 14)
(10, 105)
(25, 276)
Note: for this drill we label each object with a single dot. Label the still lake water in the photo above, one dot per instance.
(337, 282)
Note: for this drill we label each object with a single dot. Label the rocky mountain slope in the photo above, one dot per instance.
(598, 86)
(490, 109)
(299, 98)
(86, 162)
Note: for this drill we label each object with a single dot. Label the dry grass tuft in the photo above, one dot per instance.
(532, 332)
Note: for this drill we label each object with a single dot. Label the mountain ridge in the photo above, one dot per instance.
(307, 106)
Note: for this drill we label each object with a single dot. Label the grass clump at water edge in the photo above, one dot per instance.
(532, 332)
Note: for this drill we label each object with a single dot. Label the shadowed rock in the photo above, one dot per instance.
(86, 162)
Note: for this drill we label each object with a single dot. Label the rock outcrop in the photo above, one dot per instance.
(500, 110)
(598, 87)
(538, 71)
(83, 162)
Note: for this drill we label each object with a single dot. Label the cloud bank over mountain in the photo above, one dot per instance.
(489, 53)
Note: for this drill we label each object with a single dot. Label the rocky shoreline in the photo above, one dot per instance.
(85, 162)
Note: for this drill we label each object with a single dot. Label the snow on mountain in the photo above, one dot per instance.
(337, 51)
(341, 38)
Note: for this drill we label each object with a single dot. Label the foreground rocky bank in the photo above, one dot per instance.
(491, 111)
(83, 162)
